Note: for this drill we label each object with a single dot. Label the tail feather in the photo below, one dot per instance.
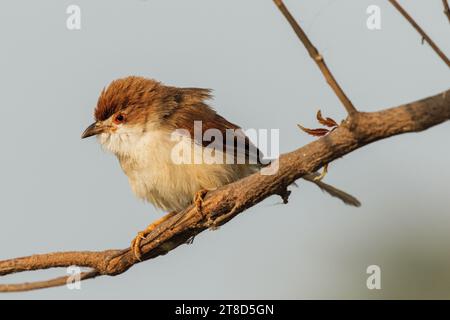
(345, 197)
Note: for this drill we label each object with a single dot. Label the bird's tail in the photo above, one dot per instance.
(345, 197)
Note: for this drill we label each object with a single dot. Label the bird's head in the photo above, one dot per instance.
(131, 109)
(125, 111)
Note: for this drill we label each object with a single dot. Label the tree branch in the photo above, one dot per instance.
(446, 9)
(317, 57)
(425, 37)
(227, 202)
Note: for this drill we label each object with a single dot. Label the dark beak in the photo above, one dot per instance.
(92, 130)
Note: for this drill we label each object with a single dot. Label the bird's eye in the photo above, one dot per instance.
(119, 118)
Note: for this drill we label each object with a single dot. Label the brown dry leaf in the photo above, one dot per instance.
(319, 132)
(326, 121)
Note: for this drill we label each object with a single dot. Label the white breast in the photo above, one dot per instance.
(153, 175)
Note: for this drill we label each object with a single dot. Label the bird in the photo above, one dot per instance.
(143, 122)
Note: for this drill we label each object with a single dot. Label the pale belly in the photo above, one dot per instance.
(155, 177)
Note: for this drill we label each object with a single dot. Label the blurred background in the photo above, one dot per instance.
(58, 192)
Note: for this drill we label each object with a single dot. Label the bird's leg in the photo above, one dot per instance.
(136, 243)
(198, 199)
(323, 174)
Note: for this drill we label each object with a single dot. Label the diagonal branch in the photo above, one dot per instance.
(317, 57)
(425, 37)
(446, 9)
(227, 202)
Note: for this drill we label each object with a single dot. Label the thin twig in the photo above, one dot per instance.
(446, 9)
(317, 57)
(57, 282)
(425, 37)
(227, 202)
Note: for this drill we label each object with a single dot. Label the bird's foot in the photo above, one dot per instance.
(323, 174)
(136, 243)
(198, 199)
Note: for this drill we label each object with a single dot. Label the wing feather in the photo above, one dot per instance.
(192, 108)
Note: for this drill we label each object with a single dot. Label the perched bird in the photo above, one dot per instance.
(143, 122)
